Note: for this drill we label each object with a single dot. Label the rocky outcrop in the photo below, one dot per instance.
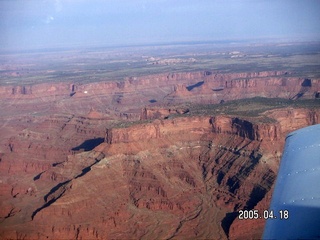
(219, 85)
(49, 140)
(245, 128)
(254, 131)
(123, 100)
(292, 118)
(161, 113)
(160, 179)
(158, 129)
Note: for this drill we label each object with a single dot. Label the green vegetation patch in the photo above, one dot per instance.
(249, 108)
(252, 107)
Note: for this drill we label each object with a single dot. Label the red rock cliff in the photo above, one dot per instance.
(167, 178)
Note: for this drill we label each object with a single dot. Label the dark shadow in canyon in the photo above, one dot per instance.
(305, 87)
(54, 189)
(227, 221)
(256, 196)
(58, 190)
(89, 144)
(234, 182)
(37, 177)
(48, 203)
(86, 169)
(198, 84)
(306, 83)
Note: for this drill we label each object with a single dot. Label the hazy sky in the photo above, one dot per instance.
(28, 24)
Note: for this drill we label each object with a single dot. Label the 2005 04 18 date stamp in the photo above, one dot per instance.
(265, 214)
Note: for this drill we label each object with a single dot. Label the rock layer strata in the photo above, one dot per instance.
(68, 172)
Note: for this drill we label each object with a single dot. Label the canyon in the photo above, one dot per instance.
(161, 156)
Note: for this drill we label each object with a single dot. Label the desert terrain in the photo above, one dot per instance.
(148, 142)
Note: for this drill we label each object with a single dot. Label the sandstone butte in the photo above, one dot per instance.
(72, 167)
